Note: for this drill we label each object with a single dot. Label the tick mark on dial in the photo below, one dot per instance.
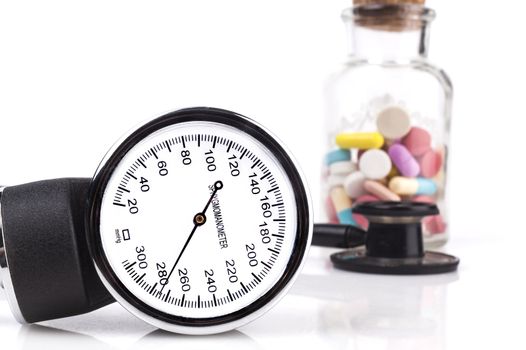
(265, 175)
(243, 154)
(244, 288)
(273, 189)
(131, 175)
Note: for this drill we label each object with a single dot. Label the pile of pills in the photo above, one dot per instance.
(396, 162)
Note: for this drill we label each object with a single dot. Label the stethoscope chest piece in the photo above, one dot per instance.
(394, 243)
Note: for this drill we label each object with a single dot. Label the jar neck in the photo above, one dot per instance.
(388, 33)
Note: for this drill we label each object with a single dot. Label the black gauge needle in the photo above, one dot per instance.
(199, 220)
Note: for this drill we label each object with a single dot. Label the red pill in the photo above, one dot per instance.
(417, 141)
(430, 164)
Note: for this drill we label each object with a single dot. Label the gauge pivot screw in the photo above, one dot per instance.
(199, 219)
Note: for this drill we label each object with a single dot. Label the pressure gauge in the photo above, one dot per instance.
(198, 221)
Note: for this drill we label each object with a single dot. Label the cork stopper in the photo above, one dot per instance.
(391, 15)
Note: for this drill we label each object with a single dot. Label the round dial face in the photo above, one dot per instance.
(198, 220)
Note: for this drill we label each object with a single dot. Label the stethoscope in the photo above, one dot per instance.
(197, 222)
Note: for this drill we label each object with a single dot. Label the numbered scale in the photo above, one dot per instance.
(196, 222)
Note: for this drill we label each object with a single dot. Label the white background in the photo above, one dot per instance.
(75, 75)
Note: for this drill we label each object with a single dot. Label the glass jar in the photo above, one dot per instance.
(387, 117)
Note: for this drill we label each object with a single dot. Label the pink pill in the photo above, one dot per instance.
(380, 191)
(430, 164)
(366, 198)
(404, 161)
(434, 224)
(417, 141)
(423, 199)
(440, 224)
(361, 221)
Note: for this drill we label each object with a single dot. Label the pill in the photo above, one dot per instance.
(442, 150)
(406, 186)
(430, 163)
(360, 140)
(340, 199)
(345, 217)
(393, 122)
(353, 184)
(423, 199)
(331, 211)
(338, 155)
(380, 191)
(417, 141)
(342, 204)
(335, 180)
(366, 198)
(434, 224)
(439, 180)
(360, 219)
(404, 161)
(440, 224)
(342, 168)
(375, 164)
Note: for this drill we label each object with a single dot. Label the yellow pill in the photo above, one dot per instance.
(404, 186)
(360, 140)
(408, 186)
(339, 199)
